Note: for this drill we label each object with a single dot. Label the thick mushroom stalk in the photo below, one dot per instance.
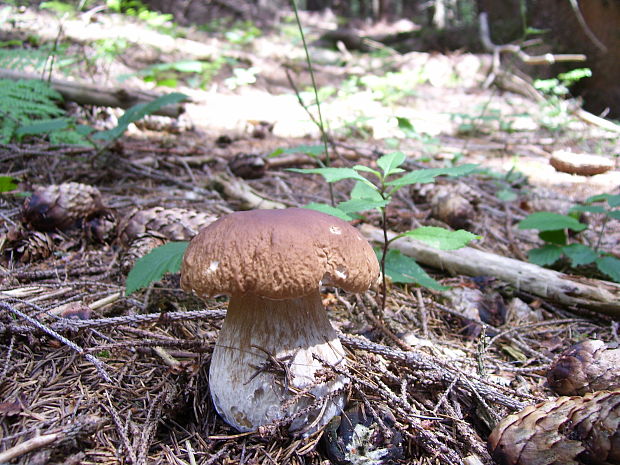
(269, 361)
(267, 364)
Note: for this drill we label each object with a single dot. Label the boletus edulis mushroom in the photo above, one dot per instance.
(269, 360)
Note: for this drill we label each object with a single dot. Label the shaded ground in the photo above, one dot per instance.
(424, 366)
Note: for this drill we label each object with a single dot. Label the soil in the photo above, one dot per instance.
(102, 377)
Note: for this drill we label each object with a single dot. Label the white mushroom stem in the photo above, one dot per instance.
(264, 357)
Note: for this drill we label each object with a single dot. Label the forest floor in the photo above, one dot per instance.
(126, 381)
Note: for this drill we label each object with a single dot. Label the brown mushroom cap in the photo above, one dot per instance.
(277, 254)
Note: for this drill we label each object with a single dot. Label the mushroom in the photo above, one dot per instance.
(269, 361)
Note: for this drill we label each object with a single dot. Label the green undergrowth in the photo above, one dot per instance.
(564, 238)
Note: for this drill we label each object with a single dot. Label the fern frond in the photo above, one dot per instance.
(23, 102)
(22, 59)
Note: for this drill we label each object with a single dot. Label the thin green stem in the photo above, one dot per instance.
(386, 244)
(383, 258)
(600, 235)
(316, 96)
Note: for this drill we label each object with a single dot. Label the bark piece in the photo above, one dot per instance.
(583, 164)
(566, 431)
(588, 366)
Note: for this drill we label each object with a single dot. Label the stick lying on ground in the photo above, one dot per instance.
(599, 296)
(92, 95)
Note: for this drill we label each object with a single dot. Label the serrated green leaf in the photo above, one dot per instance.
(428, 175)
(390, 163)
(8, 184)
(546, 255)
(150, 268)
(333, 174)
(367, 170)
(360, 205)
(441, 238)
(403, 269)
(138, 112)
(324, 208)
(362, 190)
(557, 237)
(579, 254)
(547, 221)
(610, 266)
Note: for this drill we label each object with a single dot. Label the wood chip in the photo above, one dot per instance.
(583, 164)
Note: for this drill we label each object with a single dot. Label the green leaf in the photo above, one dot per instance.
(138, 112)
(546, 255)
(362, 190)
(429, 175)
(390, 163)
(312, 150)
(507, 195)
(554, 237)
(405, 124)
(579, 254)
(333, 174)
(442, 238)
(547, 221)
(612, 200)
(58, 7)
(365, 169)
(360, 205)
(615, 214)
(587, 208)
(188, 66)
(403, 269)
(43, 127)
(150, 268)
(8, 184)
(610, 266)
(324, 208)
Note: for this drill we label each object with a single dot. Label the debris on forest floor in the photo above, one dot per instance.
(91, 375)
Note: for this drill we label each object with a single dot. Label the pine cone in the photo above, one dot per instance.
(588, 366)
(247, 166)
(138, 248)
(60, 206)
(565, 431)
(174, 224)
(33, 246)
(101, 226)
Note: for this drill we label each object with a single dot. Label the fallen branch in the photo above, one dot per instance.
(85, 94)
(447, 374)
(546, 59)
(82, 426)
(231, 187)
(100, 366)
(574, 291)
